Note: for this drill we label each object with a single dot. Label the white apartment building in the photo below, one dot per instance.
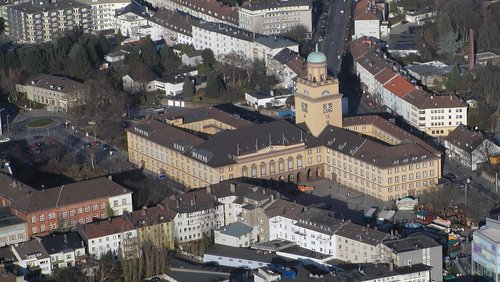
(132, 19)
(116, 235)
(223, 39)
(64, 248)
(13, 230)
(275, 17)
(31, 256)
(121, 203)
(434, 115)
(172, 26)
(368, 18)
(486, 250)
(206, 10)
(102, 16)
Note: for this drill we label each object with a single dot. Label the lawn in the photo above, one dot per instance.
(40, 122)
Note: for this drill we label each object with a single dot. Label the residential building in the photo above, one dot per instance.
(32, 258)
(435, 115)
(131, 19)
(173, 26)
(3, 11)
(154, 224)
(149, 81)
(469, 148)
(263, 99)
(44, 21)
(318, 102)
(102, 15)
(421, 16)
(58, 93)
(370, 19)
(206, 10)
(64, 249)
(62, 207)
(359, 244)
(382, 272)
(223, 39)
(286, 65)
(13, 230)
(431, 74)
(486, 250)
(192, 59)
(236, 234)
(275, 17)
(415, 250)
(115, 235)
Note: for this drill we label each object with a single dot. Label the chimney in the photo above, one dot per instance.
(209, 189)
(194, 199)
(391, 266)
(471, 50)
(178, 203)
(143, 211)
(65, 238)
(232, 187)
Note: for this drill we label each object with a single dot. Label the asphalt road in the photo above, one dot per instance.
(336, 33)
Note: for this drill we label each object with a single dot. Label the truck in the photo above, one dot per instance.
(305, 188)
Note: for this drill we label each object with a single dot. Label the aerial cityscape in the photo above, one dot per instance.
(250, 140)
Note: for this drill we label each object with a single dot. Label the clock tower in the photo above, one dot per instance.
(317, 98)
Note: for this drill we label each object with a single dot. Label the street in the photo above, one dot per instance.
(335, 40)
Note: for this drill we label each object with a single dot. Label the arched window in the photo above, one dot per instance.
(281, 165)
(263, 169)
(299, 161)
(290, 163)
(272, 167)
(324, 93)
(254, 170)
(244, 171)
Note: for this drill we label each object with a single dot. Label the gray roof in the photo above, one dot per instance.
(362, 234)
(275, 42)
(370, 272)
(56, 243)
(411, 244)
(262, 5)
(242, 253)
(55, 83)
(259, 94)
(33, 247)
(8, 219)
(134, 8)
(236, 229)
(31, 8)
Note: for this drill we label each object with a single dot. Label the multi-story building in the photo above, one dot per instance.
(155, 225)
(236, 234)
(370, 19)
(206, 10)
(286, 66)
(174, 27)
(3, 11)
(102, 15)
(433, 114)
(58, 93)
(469, 148)
(415, 250)
(32, 257)
(223, 39)
(486, 250)
(116, 235)
(12, 229)
(280, 150)
(43, 21)
(61, 207)
(275, 17)
(64, 249)
(131, 20)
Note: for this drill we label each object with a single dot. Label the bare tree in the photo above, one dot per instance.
(441, 200)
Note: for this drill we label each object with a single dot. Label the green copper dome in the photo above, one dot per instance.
(316, 57)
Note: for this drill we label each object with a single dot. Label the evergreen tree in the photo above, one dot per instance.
(104, 45)
(33, 60)
(149, 54)
(215, 86)
(169, 60)
(208, 57)
(80, 66)
(449, 44)
(133, 60)
(453, 79)
(188, 88)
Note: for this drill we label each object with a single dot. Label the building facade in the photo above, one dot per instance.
(44, 21)
(48, 210)
(102, 15)
(486, 250)
(275, 17)
(13, 230)
(58, 93)
(64, 249)
(154, 224)
(32, 257)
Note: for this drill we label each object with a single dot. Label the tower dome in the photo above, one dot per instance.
(316, 57)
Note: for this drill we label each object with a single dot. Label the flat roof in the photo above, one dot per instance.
(235, 229)
(411, 243)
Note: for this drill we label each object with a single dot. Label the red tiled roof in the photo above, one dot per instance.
(423, 100)
(364, 11)
(399, 86)
(385, 75)
(107, 227)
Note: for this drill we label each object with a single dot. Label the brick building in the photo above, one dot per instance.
(62, 207)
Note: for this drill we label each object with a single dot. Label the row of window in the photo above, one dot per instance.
(64, 214)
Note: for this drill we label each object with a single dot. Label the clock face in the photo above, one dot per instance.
(327, 108)
(306, 93)
(303, 106)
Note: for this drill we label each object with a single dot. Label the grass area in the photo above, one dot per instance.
(40, 122)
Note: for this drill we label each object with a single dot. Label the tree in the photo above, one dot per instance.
(444, 24)
(32, 60)
(104, 45)
(489, 34)
(215, 86)
(188, 88)
(441, 200)
(148, 53)
(168, 59)
(68, 274)
(453, 79)
(449, 44)
(80, 66)
(105, 268)
(133, 60)
(2, 25)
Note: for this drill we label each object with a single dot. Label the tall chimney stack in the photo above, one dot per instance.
(471, 50)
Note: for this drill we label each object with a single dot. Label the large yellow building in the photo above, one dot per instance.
(203, 146)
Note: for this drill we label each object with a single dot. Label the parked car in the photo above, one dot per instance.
(105, 147)
(450, 176)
